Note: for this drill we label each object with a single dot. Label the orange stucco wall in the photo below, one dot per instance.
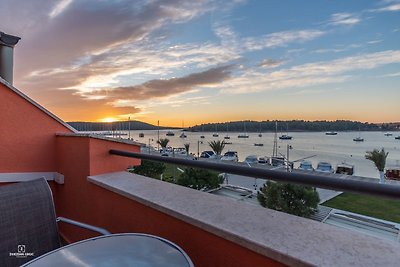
(27, 135)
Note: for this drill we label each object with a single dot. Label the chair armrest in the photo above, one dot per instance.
(84, 225)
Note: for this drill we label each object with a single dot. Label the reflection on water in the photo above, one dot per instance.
(334, 149)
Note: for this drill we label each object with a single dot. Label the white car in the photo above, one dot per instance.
(252, 159)
(208, 155)
(230, 156)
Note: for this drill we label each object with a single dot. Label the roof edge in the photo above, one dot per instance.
(100, 137)
(37, 105)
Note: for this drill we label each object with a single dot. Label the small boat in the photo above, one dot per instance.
(243, 135)
(263, 161)
(228, 143)
(215, 134)
(306, 166)
(183, 135)
(324, 167)
(258, 144)
(227, 136)
(388, 134)
(393, 173)
(202, 137)
(397, 137)
(344, 168)
(285, 137)
(170, 133)
(331, 133)
(141, 134)
(277, 161)
(358, 139)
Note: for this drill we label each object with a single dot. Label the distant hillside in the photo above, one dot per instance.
(293, 125)
(108, 126)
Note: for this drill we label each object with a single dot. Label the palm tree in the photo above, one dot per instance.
(217, 146)
(379, 159)
(163, 142)
(187, 145)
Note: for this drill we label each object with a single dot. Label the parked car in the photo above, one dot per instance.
(306, 166)
(208, 155)
(324, 167)
(230, 156)
(251, 159)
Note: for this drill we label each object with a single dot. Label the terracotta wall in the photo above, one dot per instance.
(27, 135)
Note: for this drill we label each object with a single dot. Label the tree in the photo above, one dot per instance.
(200, 179)
(163, 142)
(187, 145)
(379, 159)
(290, 198)
(150, 169)
(217, 146)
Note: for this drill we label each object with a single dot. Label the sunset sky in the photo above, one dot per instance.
(208, 61)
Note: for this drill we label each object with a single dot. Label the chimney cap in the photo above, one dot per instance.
(8, 40)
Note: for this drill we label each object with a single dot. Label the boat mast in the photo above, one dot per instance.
(275, 147)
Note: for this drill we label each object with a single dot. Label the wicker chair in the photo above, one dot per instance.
(28, 223)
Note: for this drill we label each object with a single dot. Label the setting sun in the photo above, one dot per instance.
(108, 119)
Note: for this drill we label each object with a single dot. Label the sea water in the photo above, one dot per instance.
(334, 149)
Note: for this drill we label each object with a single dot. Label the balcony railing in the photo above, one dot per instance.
(315, 180)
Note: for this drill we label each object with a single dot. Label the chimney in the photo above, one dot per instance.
(7, 43)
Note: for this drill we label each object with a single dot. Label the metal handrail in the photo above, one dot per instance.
(382, 190)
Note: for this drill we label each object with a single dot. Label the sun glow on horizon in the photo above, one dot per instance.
(108, 119)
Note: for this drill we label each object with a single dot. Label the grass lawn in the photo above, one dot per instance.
(386, 209)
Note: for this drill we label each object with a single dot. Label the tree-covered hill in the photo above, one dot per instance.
(293, 125)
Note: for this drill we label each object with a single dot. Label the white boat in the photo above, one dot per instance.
(243, 135)
(216, 132)
(324, 167)
(170, 133)
(230, 156)
(263, 161)
(358, 139)
(388, 134)
(258, 144)
(227, 136)
(285, 137)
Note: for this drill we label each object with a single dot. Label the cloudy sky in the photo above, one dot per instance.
(208, 61)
